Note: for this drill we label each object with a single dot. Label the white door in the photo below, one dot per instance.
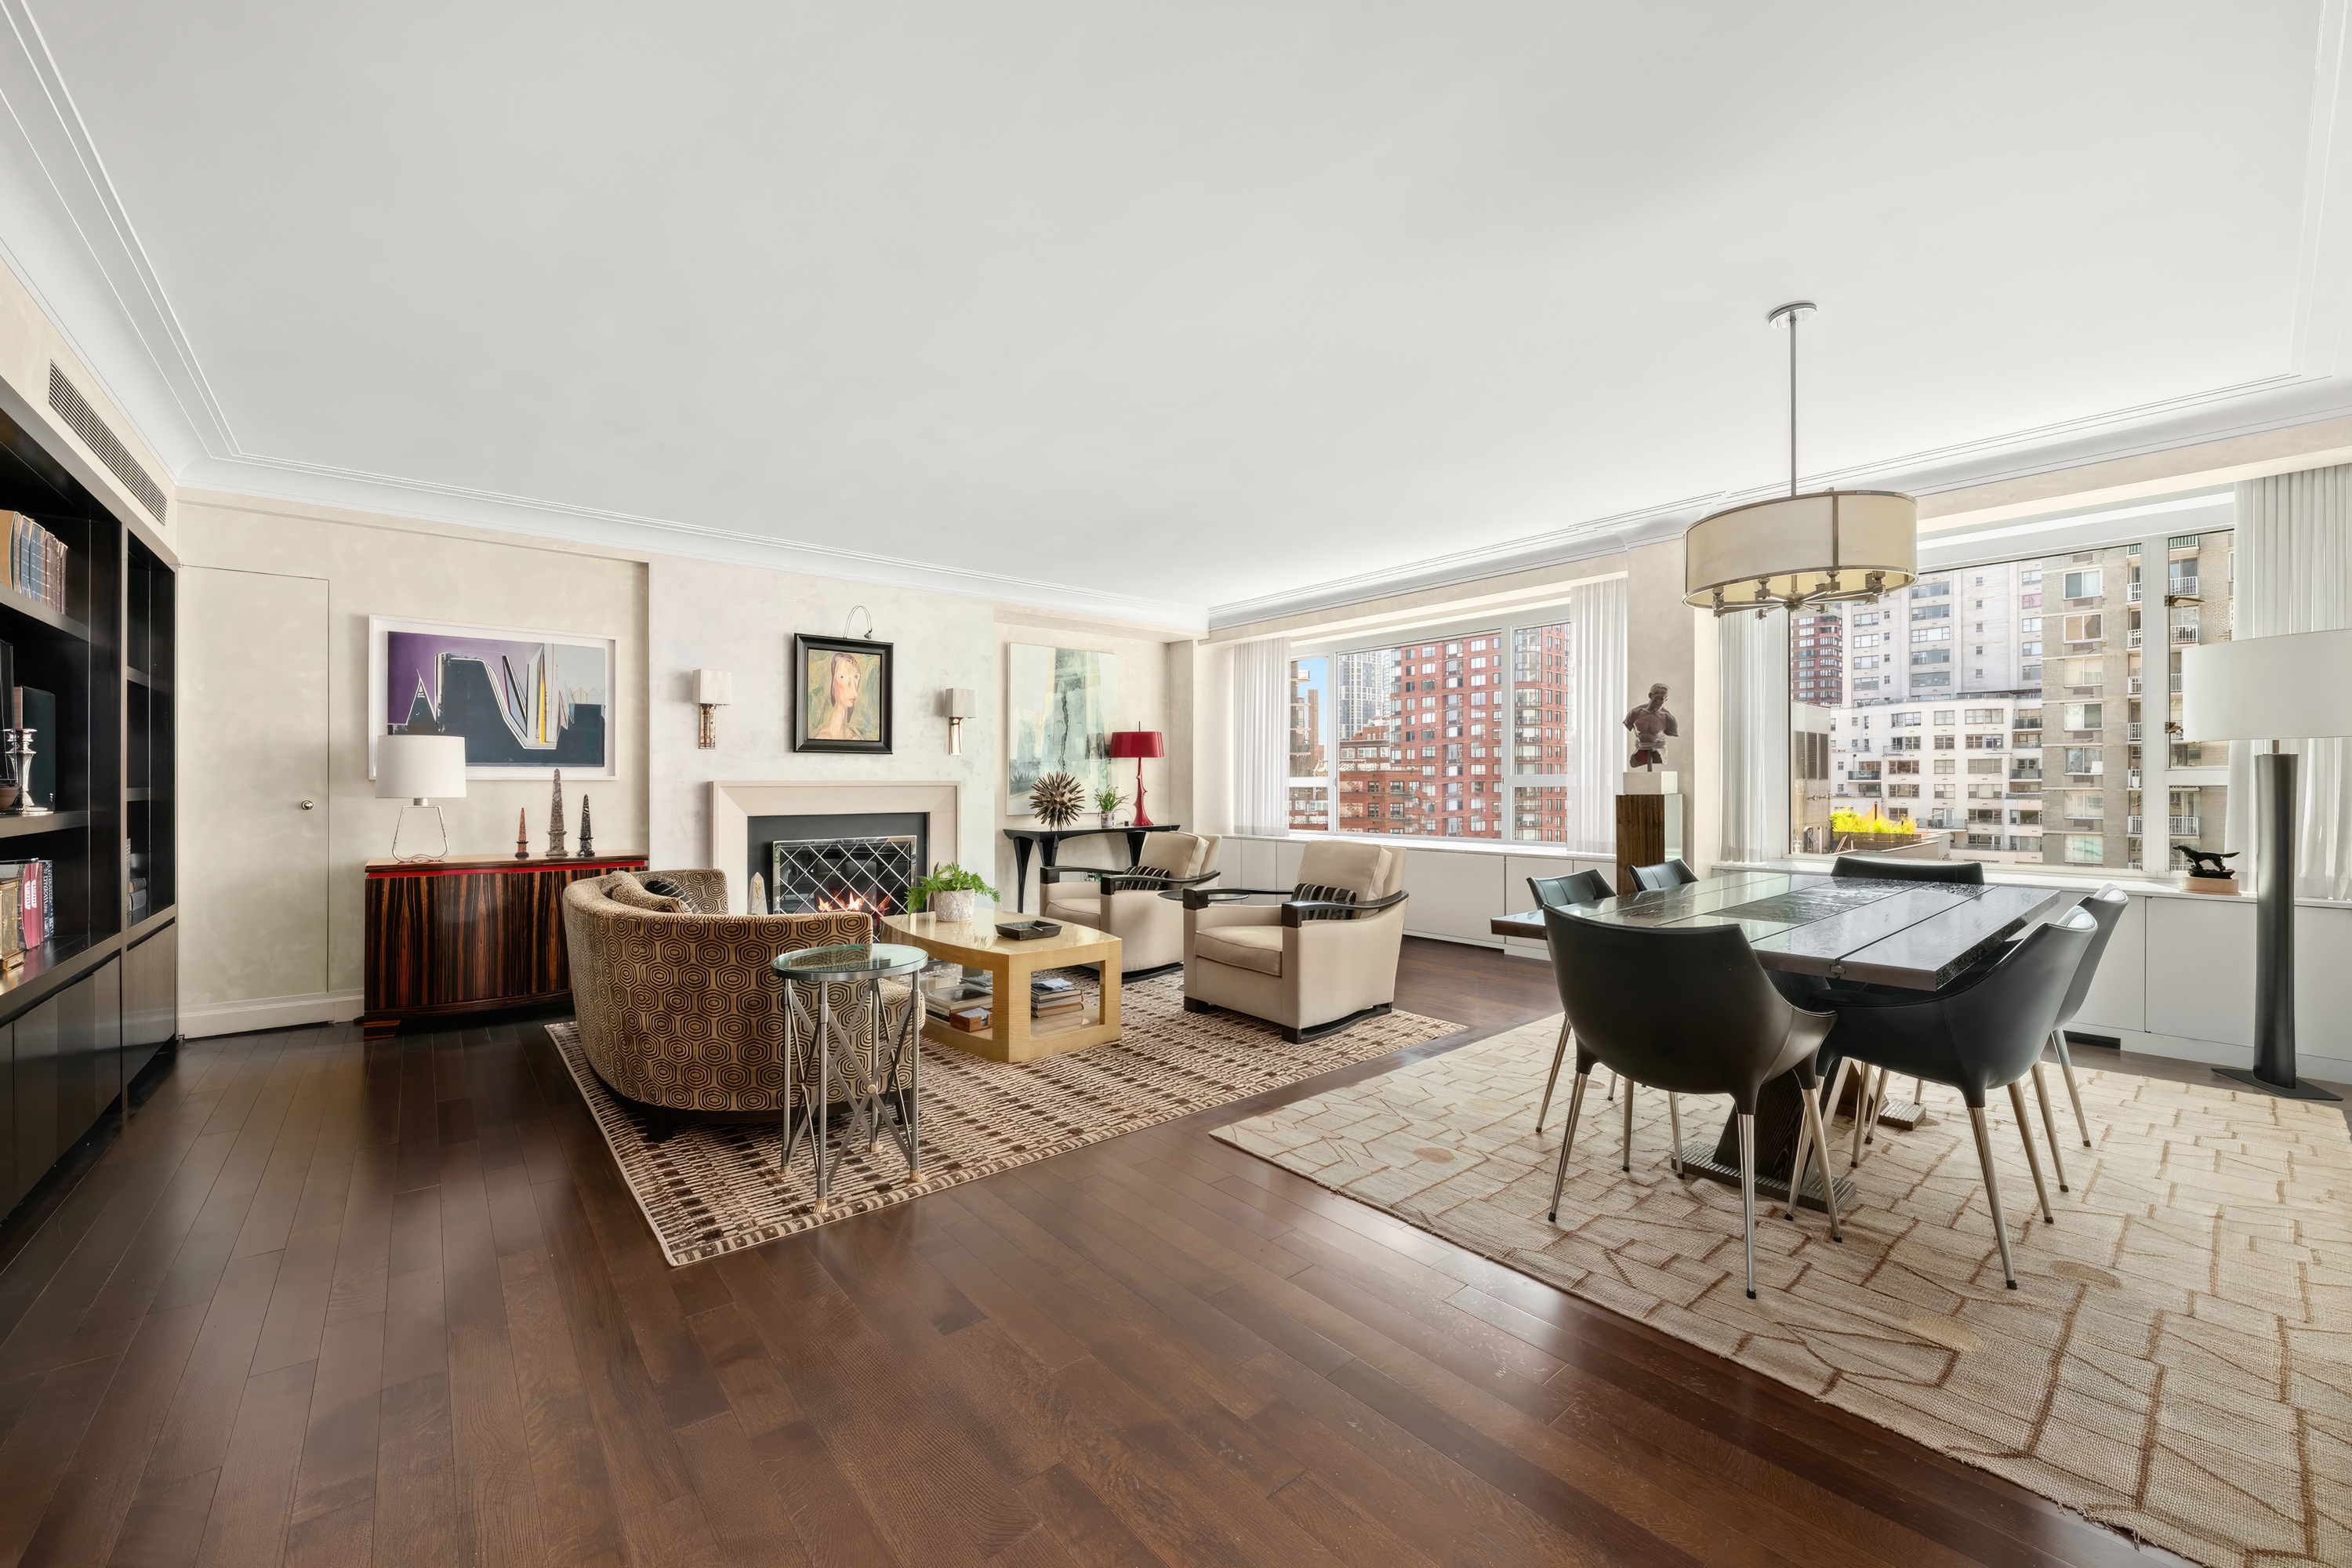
(253, 800)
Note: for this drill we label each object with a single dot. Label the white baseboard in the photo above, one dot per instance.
(200, 1019)
(2212, 1053)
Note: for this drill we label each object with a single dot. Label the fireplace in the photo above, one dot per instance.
(747, 817)
(839, 860)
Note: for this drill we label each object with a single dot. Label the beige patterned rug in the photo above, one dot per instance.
(2177, 1361)
(712, 1190)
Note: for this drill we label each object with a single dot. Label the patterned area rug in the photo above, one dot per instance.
(2176, 1360)
(712, 1190)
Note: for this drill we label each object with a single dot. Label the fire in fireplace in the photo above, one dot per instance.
(819, 874)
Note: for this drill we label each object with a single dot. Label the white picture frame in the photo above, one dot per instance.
(519, 703)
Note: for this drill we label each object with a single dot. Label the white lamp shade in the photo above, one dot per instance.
(2292, 687)
(1842, 544)
(957, 703)
(714, 685)
(420, 767)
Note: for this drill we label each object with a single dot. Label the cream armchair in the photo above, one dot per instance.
(1150, 928)
(1309, 966)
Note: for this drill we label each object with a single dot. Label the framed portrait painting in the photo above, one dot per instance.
(841, 695)
(526, 702)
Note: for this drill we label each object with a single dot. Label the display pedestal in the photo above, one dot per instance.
(1650, 816)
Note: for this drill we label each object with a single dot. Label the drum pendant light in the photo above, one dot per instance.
(1797, 550)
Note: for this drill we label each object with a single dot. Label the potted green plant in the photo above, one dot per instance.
(947, 891)
(1106, 802)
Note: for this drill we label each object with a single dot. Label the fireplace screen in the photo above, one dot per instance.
(811, 874)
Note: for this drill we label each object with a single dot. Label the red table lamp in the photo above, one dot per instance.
(1139, 744)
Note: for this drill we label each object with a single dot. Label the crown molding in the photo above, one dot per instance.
(2279, 403)
(292, 484)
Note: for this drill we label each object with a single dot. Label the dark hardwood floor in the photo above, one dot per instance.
(327, 1304)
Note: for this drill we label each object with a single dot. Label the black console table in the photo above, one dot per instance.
(1048, 841)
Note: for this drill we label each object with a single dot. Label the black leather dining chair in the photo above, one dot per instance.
(1984, 1032)
(1560, 892)
(1891, 869)
(1666, 874)
(2105, 908)
(1577, 888)
(1689, 1011)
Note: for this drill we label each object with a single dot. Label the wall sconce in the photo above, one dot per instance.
(957, 703)
(711, 688)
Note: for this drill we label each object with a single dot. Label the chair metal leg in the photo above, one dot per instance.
(1992, 1190)
(1674, 1122)
(1558, 1051)
(2032, 1160)
(1837, 1087)
(1567, 1142)
(2050, 1126)
(1748, 1192)
(1613, 1086)
(1820, 1144)
(1625, 1153)
(2066, 1065)
(1862, 1108)
(1878, 1085)
(1797, 1168)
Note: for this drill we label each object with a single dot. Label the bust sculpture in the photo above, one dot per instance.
(1652, 725)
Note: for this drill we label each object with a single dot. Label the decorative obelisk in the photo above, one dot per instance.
(522, 835)
(587, 833)
(555, 849)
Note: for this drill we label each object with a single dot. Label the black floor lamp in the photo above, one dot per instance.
(2298, 686)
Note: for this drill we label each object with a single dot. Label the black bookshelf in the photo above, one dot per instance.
(84, 1011)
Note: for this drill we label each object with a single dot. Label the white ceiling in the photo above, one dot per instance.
(1161, 307)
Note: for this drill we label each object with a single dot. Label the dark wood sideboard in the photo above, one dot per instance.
(468, 934)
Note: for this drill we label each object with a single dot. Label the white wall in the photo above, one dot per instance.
(706, 616)
(1149, 665)
(388, 566)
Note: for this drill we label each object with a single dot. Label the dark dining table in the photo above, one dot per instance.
(1916, 936)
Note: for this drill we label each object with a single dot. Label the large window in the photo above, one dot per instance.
(2069, 641)
(1468, 734)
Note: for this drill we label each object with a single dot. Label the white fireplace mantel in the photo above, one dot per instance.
(732, 806)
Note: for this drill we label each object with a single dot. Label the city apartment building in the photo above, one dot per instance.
(2059, 648)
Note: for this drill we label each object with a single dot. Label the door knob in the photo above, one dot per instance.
(309, 806)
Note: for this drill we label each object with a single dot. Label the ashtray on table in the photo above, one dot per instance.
(1027, 930)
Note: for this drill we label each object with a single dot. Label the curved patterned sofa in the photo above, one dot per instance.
(680, 1013)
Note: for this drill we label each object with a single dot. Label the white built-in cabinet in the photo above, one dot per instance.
(2178, 979)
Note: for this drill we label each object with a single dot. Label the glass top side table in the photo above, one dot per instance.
(869, 1082)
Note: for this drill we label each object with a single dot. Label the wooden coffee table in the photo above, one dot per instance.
(1014, 1036)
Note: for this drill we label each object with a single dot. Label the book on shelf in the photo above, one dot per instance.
(35, 920)
(37, 562)
(12, 939)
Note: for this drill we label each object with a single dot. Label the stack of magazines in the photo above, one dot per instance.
(1052, 997)
(36, 561)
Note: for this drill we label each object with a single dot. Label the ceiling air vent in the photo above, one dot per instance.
(66, 399)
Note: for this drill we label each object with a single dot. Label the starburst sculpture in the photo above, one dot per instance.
(1057, 799)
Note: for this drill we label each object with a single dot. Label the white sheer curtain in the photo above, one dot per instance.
(2294, 575)
(1752, 657)
(1596, 746)
(1262, 737)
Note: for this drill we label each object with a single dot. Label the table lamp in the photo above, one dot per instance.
(417, 768)
(1139, 744)
(2296, 687)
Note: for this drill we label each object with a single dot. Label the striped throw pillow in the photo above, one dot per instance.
(1141, 879)
(1310, 892)
(664, 888)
